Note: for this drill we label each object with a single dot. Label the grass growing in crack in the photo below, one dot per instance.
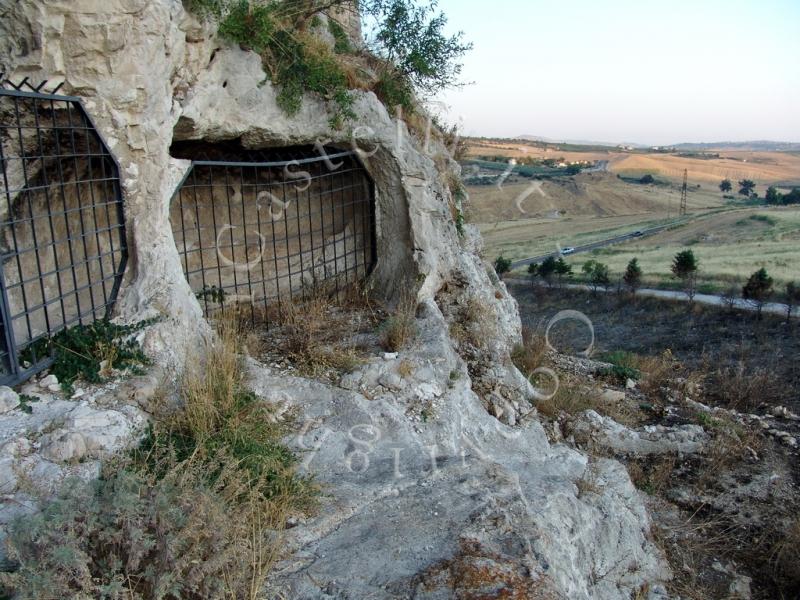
(196, 512)
(400, 328)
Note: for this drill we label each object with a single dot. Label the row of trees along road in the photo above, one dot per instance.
(757, 291)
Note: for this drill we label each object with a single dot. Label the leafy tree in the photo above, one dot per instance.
(502, 265)
(685, 267)
(792, 197)
(547, 269)
(562, 270)
(746, 187)
(758, 289)
(574, 169)
(647, 179)
(633, 276)
(792, 298)
(411, 38)
(725, 186)
(598, 274)
(773, 195)
(533, 269)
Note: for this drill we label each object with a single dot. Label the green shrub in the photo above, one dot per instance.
(624, 366)
(87, 352)
(342, 43)
(297, 63)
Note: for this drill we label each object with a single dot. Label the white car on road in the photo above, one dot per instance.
(568, 250)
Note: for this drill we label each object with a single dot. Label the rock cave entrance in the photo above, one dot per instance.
(259, 227)
(63, 244)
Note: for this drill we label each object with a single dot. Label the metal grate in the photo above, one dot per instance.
(272, 225)
(63, 248)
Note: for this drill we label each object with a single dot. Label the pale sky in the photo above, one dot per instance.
(630, 70)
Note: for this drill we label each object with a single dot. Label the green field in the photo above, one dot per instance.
(730, 246)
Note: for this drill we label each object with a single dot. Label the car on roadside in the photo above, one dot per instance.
(638, 233)
(567, 250)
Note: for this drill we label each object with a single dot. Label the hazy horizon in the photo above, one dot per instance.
(627, 72)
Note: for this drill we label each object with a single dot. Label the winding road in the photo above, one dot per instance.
(603, 243)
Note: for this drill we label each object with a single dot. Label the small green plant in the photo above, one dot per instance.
(707, 421)
(460, 223)
(90, 352)
(624, 366)
(296, 61)
(25, 403)
(212, 293)
(394, 90)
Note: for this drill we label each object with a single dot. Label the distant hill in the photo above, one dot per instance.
(752, 146)
(749, 146)
(537, 138)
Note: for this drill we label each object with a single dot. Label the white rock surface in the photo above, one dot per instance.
(405, 495)
(9, 399)
(594, 428)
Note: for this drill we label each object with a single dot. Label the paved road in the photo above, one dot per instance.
(602, 243)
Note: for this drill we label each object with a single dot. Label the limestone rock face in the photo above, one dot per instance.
(441, 496)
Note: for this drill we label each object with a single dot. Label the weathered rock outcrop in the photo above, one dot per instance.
(431, 498)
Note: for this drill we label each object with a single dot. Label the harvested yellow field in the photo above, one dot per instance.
(765, 168)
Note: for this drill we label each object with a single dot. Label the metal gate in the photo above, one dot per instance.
(63, 249)
(257, 227)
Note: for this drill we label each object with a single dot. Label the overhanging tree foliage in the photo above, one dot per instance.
(410, 36)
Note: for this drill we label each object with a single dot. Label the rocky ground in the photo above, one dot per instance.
(720, 483)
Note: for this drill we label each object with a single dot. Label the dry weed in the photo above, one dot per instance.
(401, 327)
(530, 355)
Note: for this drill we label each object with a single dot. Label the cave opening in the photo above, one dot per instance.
(63, 245)
(257, 228)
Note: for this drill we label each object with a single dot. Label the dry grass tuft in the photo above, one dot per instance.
(196, 512)
(530, 355)
(316, 333)
(786, 556)
(569, 399)
(732, 442)
(657, 372)
(405, 368)
(401, 327)
(743, 389)
(652, 476)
